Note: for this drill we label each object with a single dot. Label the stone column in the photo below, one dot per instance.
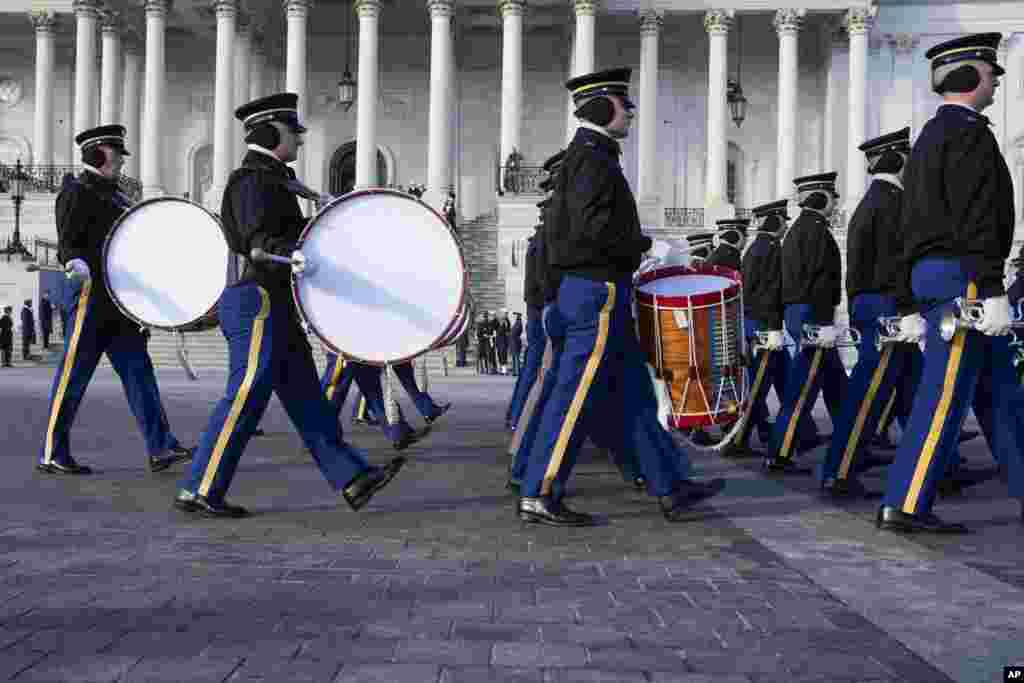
(130, 106)
(153, 111)
(583, 48)
(296, 76)
(900, 109)
(647, 157)
(257, 66)
(367, 96)
(511, 78)
(858, 26)
(240, 84)
(833, 143)
(439, 141)
(223, 100)
(87, 16)
(110, 89)
(45, 22)
(788, 23)
(716, 204)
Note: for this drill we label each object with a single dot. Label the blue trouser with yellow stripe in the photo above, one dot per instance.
(267, 352)
(602, 376)
(768, 371)
(337, 379)
(872, 383)
(814, 371)
(93, 331)
(998, 404)
(535, 339)
(948, 384)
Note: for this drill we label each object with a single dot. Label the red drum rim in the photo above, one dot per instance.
(684, 300)
(199, 323)
(319, 334)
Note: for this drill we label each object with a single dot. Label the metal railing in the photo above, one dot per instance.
(50, 178)
(684, 217)
(520, 180)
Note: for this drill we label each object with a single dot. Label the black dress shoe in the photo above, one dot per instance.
(776, 465)
(200, 505)
(410, 437)
(68, 466)
(675, 505)
(159, 463)
(891, 519)
(543, 510)
(849, 487)
(438, 412)
(870, 461)
(639, 483)
(359, 491)
(701, 438)
(967, 435)
(736, 451)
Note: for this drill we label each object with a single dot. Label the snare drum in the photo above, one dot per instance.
(690, 322)
(165, 264)
(389, 282)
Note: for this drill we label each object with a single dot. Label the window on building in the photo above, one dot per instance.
(730, 181)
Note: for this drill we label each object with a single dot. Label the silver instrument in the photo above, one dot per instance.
(890, 332)
(812, 336)
(969, 313)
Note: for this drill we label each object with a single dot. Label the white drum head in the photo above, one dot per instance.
(166, 262)
(389, 276)
(686, 285)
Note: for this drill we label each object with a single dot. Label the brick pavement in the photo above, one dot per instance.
(100, 580)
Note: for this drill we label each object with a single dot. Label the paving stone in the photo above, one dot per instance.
(78, 669)
(175, 669)
(82, 643)
(453, 652)
(539, 655)
(16, 659)
(675, 677)
(419, 627)
(364, 650)
(476, 630)
(501, 674)
(388, 673)
(593, 676)
(297, 670)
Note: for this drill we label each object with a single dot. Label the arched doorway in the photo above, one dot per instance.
(343, 169)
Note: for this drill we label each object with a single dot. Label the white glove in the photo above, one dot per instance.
(301, 265)
(775, 340)
(913, 328)
(827, 336)
(996, 321)
(77, 269)
(659, 249)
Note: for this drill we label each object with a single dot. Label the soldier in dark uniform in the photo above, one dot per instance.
(811, 290)
(267, 347)
(876, 286)
(957, 227)
(502, 330)
(483, 344)
(6, 336)
(728, 243)
(46, 319)
(761, 269)
(515, 344)
(595, 243)
(86, 209)
(28, 329)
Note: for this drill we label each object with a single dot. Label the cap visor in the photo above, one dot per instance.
(998, 70)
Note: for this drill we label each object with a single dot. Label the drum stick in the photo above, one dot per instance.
(258, 254)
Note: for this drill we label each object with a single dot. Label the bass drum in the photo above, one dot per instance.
(389, 282)
(165, 264)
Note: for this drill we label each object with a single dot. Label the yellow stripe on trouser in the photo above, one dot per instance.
(251, 364)
(603, 322)
(862, 414)
(883, 423)
(69, 362)
(361, 411)
(339, 364)
(931, 441)
(794, 419)
(758, 381)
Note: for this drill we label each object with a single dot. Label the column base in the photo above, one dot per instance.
(650, 211)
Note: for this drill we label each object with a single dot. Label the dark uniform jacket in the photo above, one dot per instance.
(533, 285)
(725, 255)
(502, 330)
(515, 340)
(812, 268)
(86, 209)
(959, 198)
(6, 331)
(594, 228)
(874, 247)
(28, 324)
(45, 315)
(762, 281)
(258, 210)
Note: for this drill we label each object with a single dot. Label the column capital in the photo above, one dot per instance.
(903, 42)
(789, 21)
(225, 8)
(131, 45)
(651, 21)
(86, 8)
(585, 7)
(243, 25)
(44, 20)
(859, 20)
(297, 8)
(111, 22)
(367, 8)
(718, 22)
(441, 8)
(511, 7)
(157, 8)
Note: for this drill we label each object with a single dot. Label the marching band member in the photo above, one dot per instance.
(958, 221)
(267, 348)
(811, 289)
(86, 209)
(596, 245)
(728, 243)
(875, 287)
